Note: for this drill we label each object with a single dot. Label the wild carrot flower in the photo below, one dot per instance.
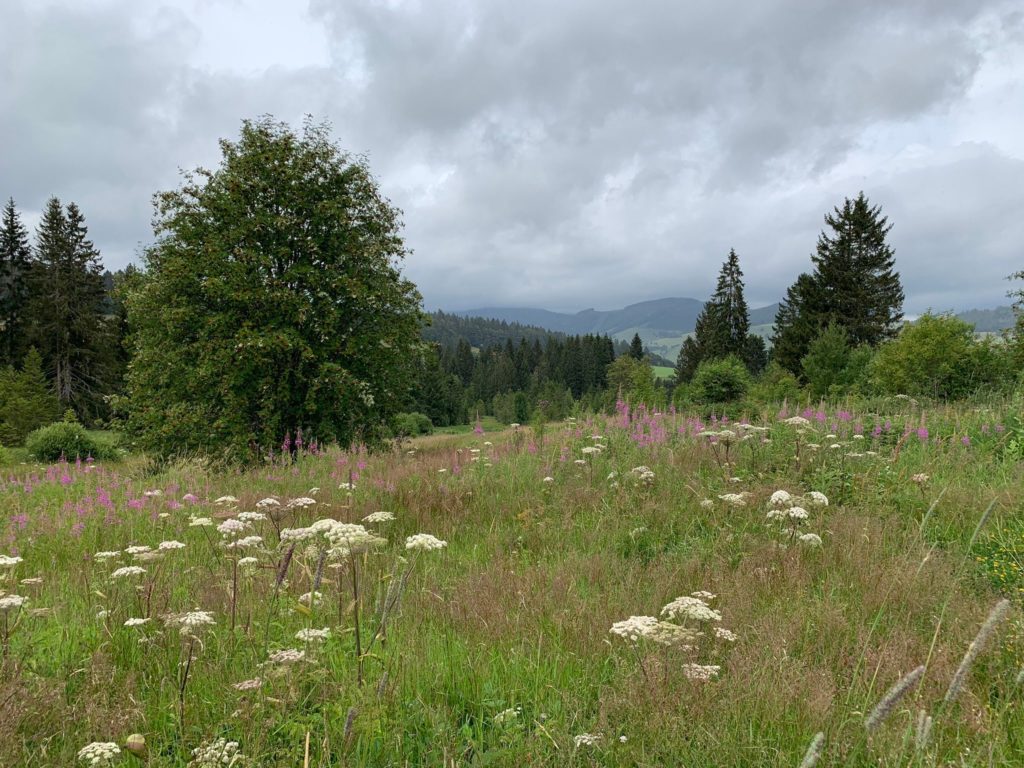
(137, 550)
(379, 517)
(424, 542)
(920, 478)
(188, 623)
(7, 561)
(225, 500)
(127, 571)
(248, 685)
(248, 562)
(251, 517)
(587, 740)
(634, 628)
(797, 421)
(300, 503)
(164, 546)
(817, 499)
(10, 602)
(724, 634)
(507, 716)
(701, 672)
(313, 635)
(99, 753)
(268, 502)
(707, 504)
(106, 555)
(135, 622)
(217, 754)
(200, 522)
(811, 539)
(780, 499)
(734, 499)
(244, 543)
(232, 527)
(287, 656)
(688, 607)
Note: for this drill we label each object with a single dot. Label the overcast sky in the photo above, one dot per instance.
(569, 154)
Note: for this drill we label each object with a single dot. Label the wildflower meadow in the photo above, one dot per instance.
(832, 585)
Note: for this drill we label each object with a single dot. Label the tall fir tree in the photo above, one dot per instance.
(854, 285)
(636, 347)
(723, 326)
(68, 311)
(15, 264)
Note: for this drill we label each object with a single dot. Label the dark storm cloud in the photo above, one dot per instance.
(564, 154)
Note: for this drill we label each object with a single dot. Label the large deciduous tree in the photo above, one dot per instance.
(273, 302)
(854, 285)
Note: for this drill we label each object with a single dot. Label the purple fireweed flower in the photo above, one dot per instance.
(191, 498)
(965, 440)
(922, 434)
(136, 503)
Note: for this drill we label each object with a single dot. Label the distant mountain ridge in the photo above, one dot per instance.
(664, 323)
(670, 317)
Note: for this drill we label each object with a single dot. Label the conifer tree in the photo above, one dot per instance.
(68, 308)
(854, 285)
(15, 262)
(636, 347)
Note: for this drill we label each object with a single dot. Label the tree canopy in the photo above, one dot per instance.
(273, 302)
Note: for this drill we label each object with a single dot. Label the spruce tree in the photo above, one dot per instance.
(723, 326)
(636, 347)
(68, 310)
(15, 261)
(854, 285)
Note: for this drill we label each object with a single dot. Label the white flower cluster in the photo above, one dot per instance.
(379, 517)
(643, 474)
(287, 656)
(634, 628)
(165, 546)
(101, 556)
(244, 543)
(134, 622)
(200, 522)
(786, 509)
(300, 503)
(701, 672)
(99, 752)
(128, 571)
(190, 621)
(219, 753)
(313, 635)
(267, 502)
(507, 716)
(587, 740)
(690, 607)
(424, 542)
(734, 499)
(232, 527)
(7, 561)
(251, 517)
(248, 685)
(10, 602)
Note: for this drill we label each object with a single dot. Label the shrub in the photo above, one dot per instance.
(412, 424)
(720, 381)
(938, 356)
(775, 385)
(67, 439)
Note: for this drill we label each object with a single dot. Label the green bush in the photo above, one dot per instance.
(938, 356)
(831, 366)
(69, 440)
(775, 385)
(412, 424)
(26, 400)
(720, 381)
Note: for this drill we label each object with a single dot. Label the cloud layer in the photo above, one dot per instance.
(565, 155)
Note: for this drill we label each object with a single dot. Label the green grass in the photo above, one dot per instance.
(513, 615)
(663, 372)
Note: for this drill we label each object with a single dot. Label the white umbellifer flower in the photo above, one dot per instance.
(811, 539)
(634, 628)
(248, 685)
(612, 475)
(31, 581)
(248, 562)
(488, 443)
(813, 446)
(137, 550)
(589, 450)
(312, 599)
(379, 517)
(780, 499)
(644, 474)
(226, 500)
(128, 570)
(702, 594)
(586, 739)
(190, 621)
(106, 555)
(548, 479)
(148, 557)
(424, 542)
(778, 514)
(920, 478)
(689, 607)
(835, 446)
(830, 436)
(701, 672)
(668, 634)
(726, 436)
(796, 513)
(99, 752)
(287, 656)
(10, 602)
(7, 561)
(347, 538)
(232, 527)
(168, 545)
(200, 522)
(797, 421)
(267, 502)
(133, 622)
(245, 542)
(724, 634)
(313, 635)
(707, 504)
(734, 499)
(220, 753)
(314, 490)
(251, 517)
(347, 487)
(297, 534)
(155, 492)
(581, 462)
(858, 437)
(506, 716)
(300, 503)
